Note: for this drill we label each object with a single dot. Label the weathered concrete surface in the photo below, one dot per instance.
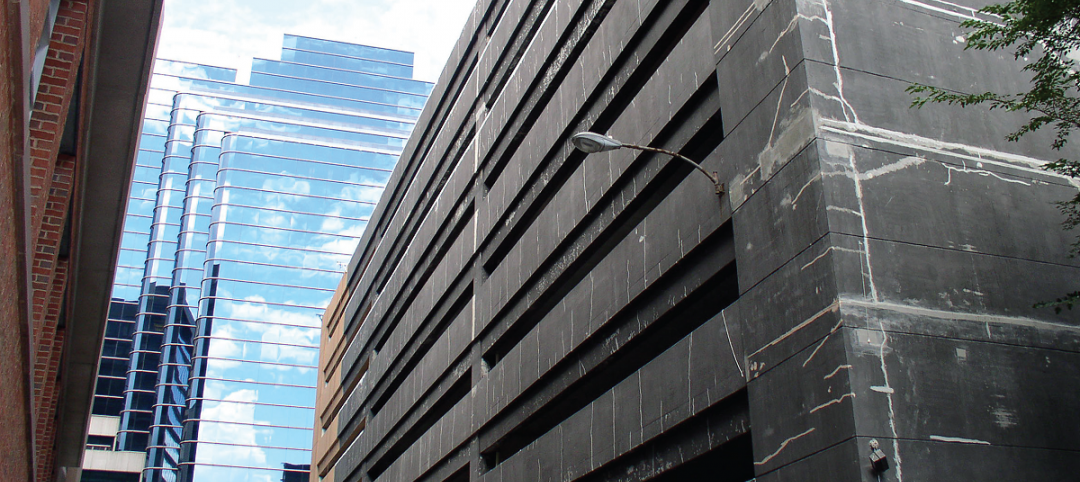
(520, 311)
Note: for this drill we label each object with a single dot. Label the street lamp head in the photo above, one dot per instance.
(590, 142)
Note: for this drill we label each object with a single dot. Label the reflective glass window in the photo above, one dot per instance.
(113, 367)
(239, 474)
(350, 77)
(256, 392)
(345, 62)
(331, 89)
(107, 406)
(295, 256)
(158, 112)
(242, 367)
(351, 50)
(185, 69)
(161, 97)
(158, 127)
(116, 348)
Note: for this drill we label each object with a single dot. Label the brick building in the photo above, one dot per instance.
(518, 310)
(74, 85)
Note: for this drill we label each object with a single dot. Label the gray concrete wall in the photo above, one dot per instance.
(519, 311)
(933, 237)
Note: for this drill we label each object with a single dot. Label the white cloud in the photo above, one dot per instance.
(284, 353)
(222, 347)
(229, 33)
(331, 225)
(239, 429)
(254, 308)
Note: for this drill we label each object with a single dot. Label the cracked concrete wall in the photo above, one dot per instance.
(933, 237)
(520, 311)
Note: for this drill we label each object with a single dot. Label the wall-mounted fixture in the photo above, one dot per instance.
(878, 461)
(590, 142)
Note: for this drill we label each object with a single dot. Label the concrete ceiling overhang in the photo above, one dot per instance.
(121, 61)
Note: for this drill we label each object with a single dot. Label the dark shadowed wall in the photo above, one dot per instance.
(521, 311)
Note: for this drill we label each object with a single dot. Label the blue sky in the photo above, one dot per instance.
(228, 33)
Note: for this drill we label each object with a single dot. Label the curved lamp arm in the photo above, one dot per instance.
(590, 142)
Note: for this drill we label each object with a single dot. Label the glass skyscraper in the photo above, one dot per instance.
(246, 205)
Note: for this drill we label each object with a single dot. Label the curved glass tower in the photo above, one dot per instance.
(252, 202)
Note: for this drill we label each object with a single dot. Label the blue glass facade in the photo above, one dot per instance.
(110, 397)
(247, 202)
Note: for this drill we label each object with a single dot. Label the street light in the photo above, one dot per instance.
(591, 142)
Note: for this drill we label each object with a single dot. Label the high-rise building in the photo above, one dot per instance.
(857, 306)
(247, 201)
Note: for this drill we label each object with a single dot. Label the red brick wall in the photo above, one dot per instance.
(16, 435)
(36, 188)
(47, 245)
(53, 98)
(49, 275)
(47, 380)
(52, 185)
